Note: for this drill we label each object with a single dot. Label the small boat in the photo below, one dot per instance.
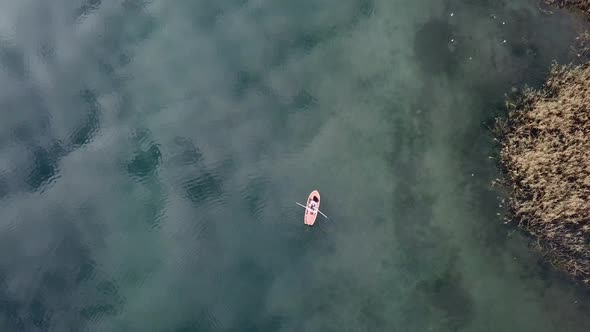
(311, 212)
(312, 208)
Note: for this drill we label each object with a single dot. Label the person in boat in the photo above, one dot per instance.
(312, 206)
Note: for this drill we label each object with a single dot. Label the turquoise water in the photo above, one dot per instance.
(151, 154)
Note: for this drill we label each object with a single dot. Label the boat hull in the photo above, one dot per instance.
(310, 216)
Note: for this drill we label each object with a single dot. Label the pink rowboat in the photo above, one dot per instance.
(311, 213)
(312, 208)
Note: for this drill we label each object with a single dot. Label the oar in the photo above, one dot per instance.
(323, 214)
(310, 209)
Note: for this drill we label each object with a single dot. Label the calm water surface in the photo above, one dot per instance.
(151, 153)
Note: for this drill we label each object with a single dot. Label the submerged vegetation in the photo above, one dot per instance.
(545, 159)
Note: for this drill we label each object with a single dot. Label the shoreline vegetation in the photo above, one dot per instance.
(545, 159)
(582, 6)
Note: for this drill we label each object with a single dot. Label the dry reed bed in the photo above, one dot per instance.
(582, 5)
(545, 157)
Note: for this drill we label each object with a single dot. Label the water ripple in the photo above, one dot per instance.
(253, 194)
(206, 187)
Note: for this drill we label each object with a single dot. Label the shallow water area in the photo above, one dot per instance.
(151, 154)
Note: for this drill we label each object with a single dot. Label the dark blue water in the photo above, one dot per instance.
(151, 154)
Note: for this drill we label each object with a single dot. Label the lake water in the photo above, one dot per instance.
(151, 154)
